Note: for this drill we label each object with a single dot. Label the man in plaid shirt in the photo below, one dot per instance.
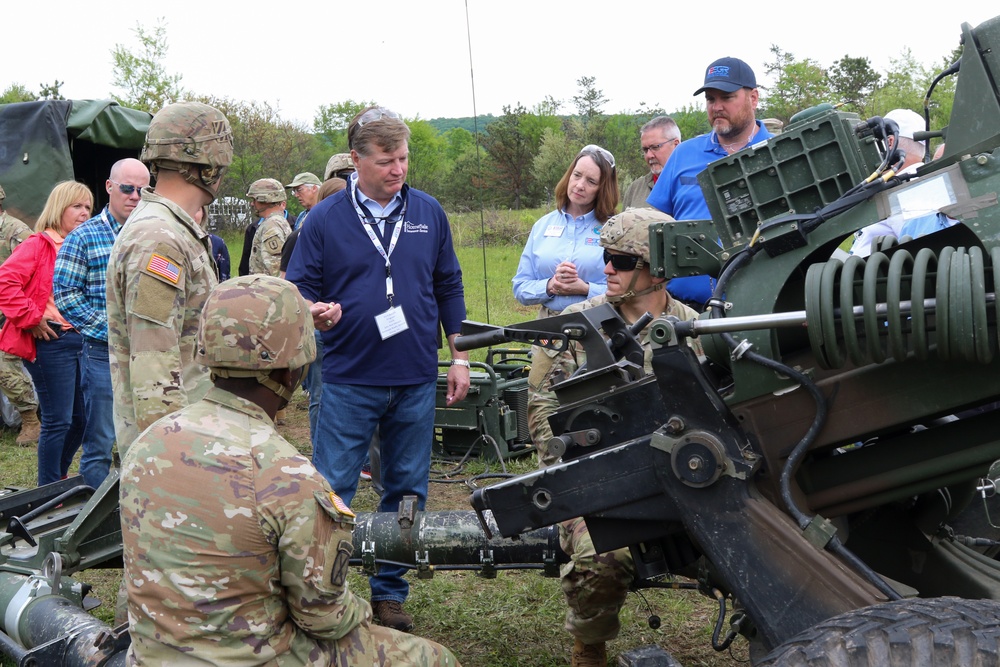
(80, 290)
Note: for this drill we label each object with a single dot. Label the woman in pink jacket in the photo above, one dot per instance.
(35, 330)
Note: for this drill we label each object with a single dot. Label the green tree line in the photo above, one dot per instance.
(513, 160)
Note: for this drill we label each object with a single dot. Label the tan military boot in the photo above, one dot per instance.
(589, 655)
(30, 428)
(279, 418)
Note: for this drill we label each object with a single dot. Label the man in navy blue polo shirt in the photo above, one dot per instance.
(731, 101)
(377, 265)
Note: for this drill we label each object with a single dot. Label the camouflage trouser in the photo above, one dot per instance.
(595, 584)
(385, 647)
(15, 383)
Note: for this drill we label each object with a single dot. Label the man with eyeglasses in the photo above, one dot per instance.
(658, 138)
(377, 264)
(595, 584)
(305, 187)
(79, 286)
(731, 101)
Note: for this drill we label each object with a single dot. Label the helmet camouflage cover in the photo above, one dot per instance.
(628, 231)
(189, 132)
(253, 325)
(339, 162)
(267, 190)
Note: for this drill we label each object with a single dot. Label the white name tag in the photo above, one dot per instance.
(391, 322)
(555, 230)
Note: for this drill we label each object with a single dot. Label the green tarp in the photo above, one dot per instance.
(42, 143)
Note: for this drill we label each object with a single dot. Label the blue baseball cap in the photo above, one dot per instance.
(728, 75)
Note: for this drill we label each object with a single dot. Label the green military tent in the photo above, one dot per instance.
(42, 143)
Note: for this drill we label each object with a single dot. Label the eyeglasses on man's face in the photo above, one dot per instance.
(656, 147)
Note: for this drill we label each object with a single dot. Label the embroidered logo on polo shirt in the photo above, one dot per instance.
(164, 267)
(415, 228)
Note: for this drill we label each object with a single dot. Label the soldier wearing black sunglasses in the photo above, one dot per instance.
(596, 585)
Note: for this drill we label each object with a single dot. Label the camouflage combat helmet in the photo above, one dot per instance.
(339, 162)
(628, 232)
(252, 325)
(267, 190)
(190, 133)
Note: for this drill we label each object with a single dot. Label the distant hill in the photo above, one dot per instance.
(442, 125)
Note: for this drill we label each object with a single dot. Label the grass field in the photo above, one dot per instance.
(515, 619)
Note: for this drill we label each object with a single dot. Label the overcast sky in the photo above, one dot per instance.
(415, 56)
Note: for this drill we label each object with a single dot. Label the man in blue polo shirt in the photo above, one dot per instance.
(731, 101)
(377, 265)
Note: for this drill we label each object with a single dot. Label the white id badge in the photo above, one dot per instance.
(555, 230)
(391, 322)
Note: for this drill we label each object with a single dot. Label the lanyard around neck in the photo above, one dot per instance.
(368, 222)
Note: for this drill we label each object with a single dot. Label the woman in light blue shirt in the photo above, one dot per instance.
(562, 262)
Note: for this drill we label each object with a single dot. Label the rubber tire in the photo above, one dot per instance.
(944, 632)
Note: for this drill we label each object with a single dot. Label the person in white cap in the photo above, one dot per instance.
(909, 123)
(908, 222)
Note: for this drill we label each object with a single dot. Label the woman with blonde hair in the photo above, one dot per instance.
(37, 332)
(562, 262)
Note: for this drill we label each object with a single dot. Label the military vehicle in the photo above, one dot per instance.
(825, 473)
(45, 142)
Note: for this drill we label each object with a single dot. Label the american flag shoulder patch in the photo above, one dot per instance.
(164, 267)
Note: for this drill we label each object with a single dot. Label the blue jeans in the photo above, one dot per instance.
(314, 385)
(57, 375)
(99, 401)
(405, 419)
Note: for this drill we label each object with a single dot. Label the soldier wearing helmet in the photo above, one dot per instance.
(339, 166)
(161, 269)
(259, 529)
(267, 199)
(595, 587)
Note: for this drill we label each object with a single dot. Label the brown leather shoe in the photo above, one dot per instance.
(390, 614)
(589, 655)
(30, 429)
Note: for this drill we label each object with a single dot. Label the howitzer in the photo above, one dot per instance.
(821, 468)
(817, 466)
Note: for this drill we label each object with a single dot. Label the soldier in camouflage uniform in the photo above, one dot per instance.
(596, 584)
(14, 379)
(339, 166)
(236, 549)
(161, 269)
(268, 198)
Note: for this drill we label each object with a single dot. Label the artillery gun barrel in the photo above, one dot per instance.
(790, 319)
(49, 629)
